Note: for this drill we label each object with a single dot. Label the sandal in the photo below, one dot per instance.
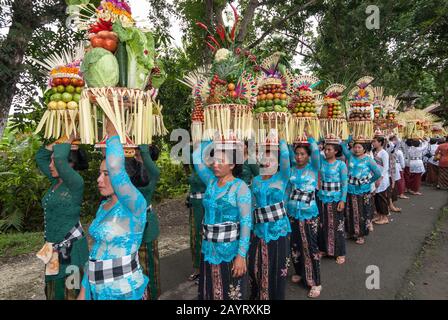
(193, 277)
(360, 241)
(315, 292)
(395, 209)
(296, 278)
(403, 197)
(340, 260)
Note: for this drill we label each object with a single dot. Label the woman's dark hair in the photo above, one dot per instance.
(136, 172)
(416, 143)
(433, 140)
(154, 152)
(366, 146)
(79, 159)
(305, 147)
(381, 140)
(336, 148)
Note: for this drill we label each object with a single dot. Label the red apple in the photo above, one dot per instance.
(66, 81)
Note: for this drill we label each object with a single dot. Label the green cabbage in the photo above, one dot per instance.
(100, 68)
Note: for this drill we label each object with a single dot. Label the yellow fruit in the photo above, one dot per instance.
(269, 96)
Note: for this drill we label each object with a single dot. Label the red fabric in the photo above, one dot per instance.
(443, 150)
(415, 181)
(406, 178)
(400, 184)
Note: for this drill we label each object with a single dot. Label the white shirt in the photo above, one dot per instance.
(415, 155)
(432, 151)
(383, 156)
(399, 156)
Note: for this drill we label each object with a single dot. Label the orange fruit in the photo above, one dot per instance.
(283, 96)
(262, 97)
(269, 96)
(277, 95)
(231, 87)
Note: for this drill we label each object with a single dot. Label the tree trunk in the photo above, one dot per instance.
(24, 22)
(11, 55)
(247, 20)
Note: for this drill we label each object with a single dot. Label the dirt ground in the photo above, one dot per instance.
(22, 278)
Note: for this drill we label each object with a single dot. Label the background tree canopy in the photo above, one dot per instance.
(409, 51)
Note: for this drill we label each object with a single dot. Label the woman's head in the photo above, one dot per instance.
(361, 148)
(104, 184)
(135, 170)
(269, 162)
(302, 154)
(378, 142)
(433, 141)
(225, 163)
(77, 159)
(332, 150)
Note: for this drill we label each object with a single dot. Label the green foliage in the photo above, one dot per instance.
(12, 245)
(22, 186)
(173, 179)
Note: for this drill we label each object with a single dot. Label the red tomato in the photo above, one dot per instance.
(57, 82)
(66, 81)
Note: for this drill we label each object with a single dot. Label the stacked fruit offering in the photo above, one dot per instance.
(360, 110)
(65, 93)
(332, 109)
(271, 98)
(304, 105)
(198, 112)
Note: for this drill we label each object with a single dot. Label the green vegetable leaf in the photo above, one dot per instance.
(100, 68)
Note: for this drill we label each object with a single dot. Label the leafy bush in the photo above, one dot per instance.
(21, 184)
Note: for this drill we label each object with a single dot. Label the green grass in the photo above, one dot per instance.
(15, 244)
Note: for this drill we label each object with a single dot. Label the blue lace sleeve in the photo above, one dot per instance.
(344, 180)
(285, 165)
(244, 204)
(375, 169)
(203, 171)
(127, 194)
(292, 156)
(347, 153)
(315, 154)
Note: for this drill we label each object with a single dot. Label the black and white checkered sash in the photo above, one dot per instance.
(65, 246)
(302, 196)
(196, 195)
(270, 213)
(360, 181)
(106, 271)
(415, 158)
(331, 186)
(221, 232)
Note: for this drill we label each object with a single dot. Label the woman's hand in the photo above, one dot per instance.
(110, 128)
(239, 267)
(50, 146)
(378, 182)
(341, 206)
(82, 294)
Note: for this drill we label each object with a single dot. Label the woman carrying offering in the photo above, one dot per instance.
(304, 215)
(65, 243)
(362, 172)
(149, 249)
(332, 195)
(382, 186)
(269, 250)
(114, 271)
(227, 225)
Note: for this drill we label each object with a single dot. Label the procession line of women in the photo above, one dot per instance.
(301, 207)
